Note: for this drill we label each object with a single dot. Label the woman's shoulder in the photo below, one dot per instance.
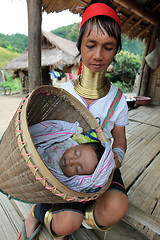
(114, 89)
(68, 84)
(113, 93)
(69, 87)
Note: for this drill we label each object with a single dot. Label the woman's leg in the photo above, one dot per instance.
(66, 222)
(60, 219)
(67, 217)
(110, 208)
(31, 223)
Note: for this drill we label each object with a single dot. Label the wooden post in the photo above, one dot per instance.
(34, 43)
(146, 69)
(143, 65)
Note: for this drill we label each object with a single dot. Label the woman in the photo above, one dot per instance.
(99, 41)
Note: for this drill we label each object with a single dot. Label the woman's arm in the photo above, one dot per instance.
(119, 141)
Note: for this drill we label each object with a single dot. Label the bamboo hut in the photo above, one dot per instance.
(56, 53)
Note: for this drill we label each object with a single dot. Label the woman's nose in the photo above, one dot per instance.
(98, 54)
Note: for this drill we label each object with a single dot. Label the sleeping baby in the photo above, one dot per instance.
(82, 163)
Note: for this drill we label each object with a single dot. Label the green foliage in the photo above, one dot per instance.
(69, 32)
(125, 69)
(13, 83)
(132, 45)
(15, 42)
(123, 87)
(6, 56)
(11, 48)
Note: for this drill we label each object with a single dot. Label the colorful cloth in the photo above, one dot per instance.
(112, 108)
(54, 135)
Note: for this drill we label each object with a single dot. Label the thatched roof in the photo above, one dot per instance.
(65, 45)
(138, 17)
(56, 51)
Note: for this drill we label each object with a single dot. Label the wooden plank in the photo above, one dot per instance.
(143, 218)
(12, 214)
(141, 12)
(140, 170)
(146, 189)
(136, 132)
(10, 220)
(136, 163)
(84, 234)
(146, 114)
(23, 209)
(145, 195)
(143, 145)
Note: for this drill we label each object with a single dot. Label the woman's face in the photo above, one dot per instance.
(78, 160)
(97, 49)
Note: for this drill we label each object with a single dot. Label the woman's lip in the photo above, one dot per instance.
(96, 65)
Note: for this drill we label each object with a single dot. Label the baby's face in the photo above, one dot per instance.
(78, 160)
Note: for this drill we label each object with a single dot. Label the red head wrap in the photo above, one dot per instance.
(99, 9)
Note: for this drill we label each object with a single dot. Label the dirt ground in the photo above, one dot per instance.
(8, 106)
(121, 231)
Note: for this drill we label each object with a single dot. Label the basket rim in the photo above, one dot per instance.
(33, 159)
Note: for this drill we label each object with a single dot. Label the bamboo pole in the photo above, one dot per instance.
(135, 7)
(34, 43)
(138, 80)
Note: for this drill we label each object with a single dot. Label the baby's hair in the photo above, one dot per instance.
(97, 147)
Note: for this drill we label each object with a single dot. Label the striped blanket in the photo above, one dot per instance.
(52, 138)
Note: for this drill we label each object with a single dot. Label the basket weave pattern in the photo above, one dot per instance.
(23, 173)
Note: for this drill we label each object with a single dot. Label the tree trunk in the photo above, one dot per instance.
(34, 43)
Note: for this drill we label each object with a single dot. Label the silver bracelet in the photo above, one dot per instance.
(119, 152)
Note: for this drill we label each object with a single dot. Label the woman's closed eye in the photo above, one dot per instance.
(109, 49)
(90, 46)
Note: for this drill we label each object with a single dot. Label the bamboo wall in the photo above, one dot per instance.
(147, 82)
(154, 86)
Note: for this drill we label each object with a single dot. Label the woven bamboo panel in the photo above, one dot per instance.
(23, 173)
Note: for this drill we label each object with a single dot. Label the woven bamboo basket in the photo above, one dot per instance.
(23, 173)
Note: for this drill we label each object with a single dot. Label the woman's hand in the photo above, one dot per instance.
(119, 141)
(117, 162)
